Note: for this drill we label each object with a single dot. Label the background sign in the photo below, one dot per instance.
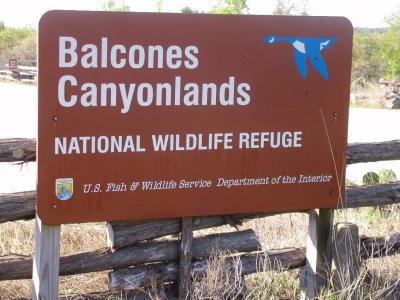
(13, 64)
(162, 115)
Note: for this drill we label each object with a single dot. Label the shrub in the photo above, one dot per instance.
(370, 178)
(387, 175)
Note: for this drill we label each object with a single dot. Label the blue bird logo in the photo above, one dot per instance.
(306, 48)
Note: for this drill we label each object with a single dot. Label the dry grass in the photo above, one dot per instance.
(383, 277)
(16, 238)
(220, 280)
(267, 284)
(379, 279)
(281, 231)
(369, 96)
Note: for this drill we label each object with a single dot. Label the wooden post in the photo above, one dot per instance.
(185, 257)
(46, 261)
(324, 248)
(347, 258)
(318, 252)
(311, 256)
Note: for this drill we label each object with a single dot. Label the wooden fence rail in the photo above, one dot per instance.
(137, 254)
(155, 251)
(21, 206)
(17, 206)
(370, 152)
(16, 150)
(280, 259)
(12, 268)
(131, 278)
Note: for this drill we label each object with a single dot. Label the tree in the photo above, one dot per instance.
(368, 64)
(390, 51)
(11, 37)
(390, 47)
(159, 5)
(189, 10)
(110, 5)
(26, 49)
(2, 26)
(17, 43)
(394, 20)
(290, 7)
(230, 7)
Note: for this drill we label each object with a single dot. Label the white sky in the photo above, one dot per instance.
(362, 13)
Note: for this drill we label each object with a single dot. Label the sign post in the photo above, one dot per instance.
(146, 116)
(46, 261)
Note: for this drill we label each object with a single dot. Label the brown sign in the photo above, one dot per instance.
(147, 115)
(13, 64)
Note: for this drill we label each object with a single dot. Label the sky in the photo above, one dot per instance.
(362, 13)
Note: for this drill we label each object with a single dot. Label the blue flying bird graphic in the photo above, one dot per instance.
(306, 47)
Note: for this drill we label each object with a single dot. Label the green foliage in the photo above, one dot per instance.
(290, 7)
(110, 5)
(390, 48)
(189, 10)
(376, 53)
(159, 4)
(370, 178)
(2, 26)
(17, 43)
(270, 284)
(12, 37)
(230, 7)
(390, 52)
(394, 19)
(26, 50)
(327, 294)
(387, 175)
(368, 64)
(383, 176)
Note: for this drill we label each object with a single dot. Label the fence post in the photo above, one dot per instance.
(325, 246)
(318, 252)
(46, 261)
(347, 258)
(185, 257)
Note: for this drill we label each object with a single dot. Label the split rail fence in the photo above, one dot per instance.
(136, 259)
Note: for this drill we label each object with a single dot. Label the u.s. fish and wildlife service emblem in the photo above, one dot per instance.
(64, 188)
